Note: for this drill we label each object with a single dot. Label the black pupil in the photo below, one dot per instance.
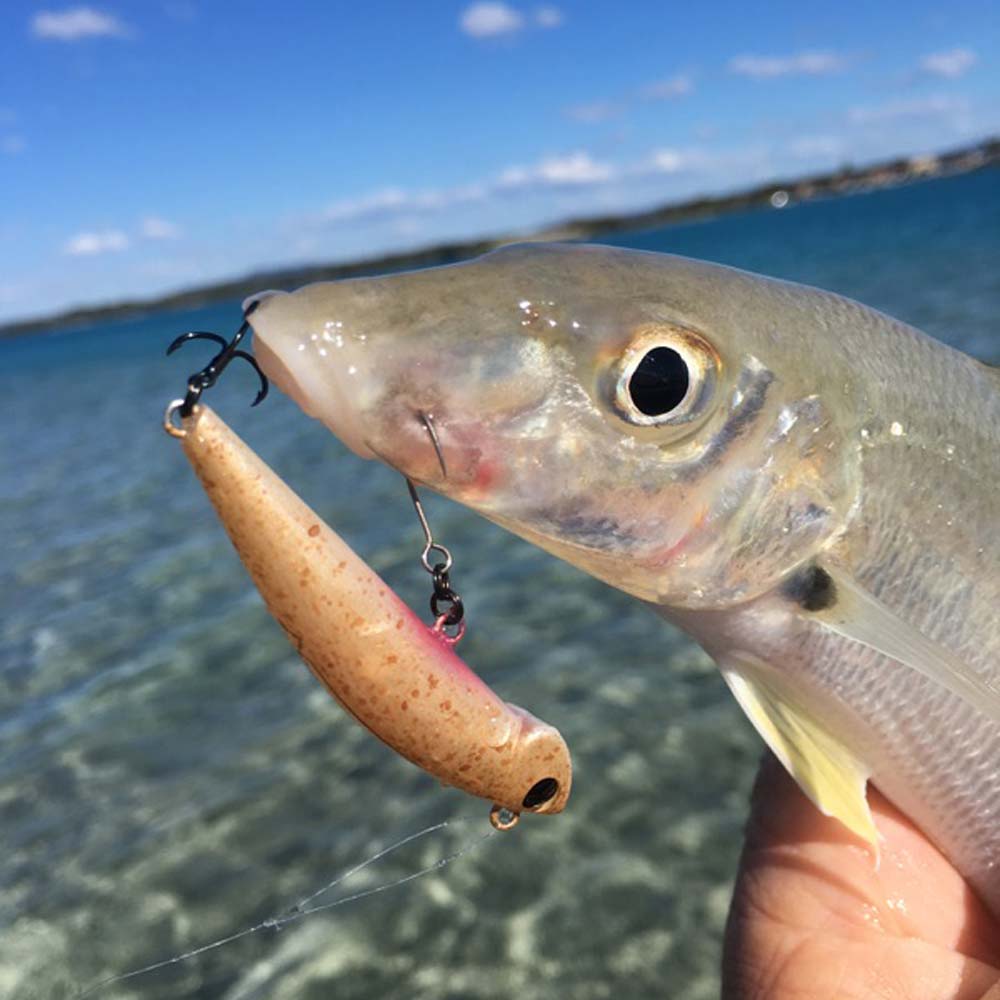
(660, 382)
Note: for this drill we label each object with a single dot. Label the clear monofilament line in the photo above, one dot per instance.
(302, 909)
(402, 880)
(343, 877)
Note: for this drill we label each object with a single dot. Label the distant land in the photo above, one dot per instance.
(776, 194)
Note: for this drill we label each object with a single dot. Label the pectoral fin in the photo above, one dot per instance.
(826, 770)
(862, 617)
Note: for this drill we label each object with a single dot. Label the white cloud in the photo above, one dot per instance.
(573, 170)
(11, 145)
(487, 19)
(575, 179)
(577, 168)
(595, 112)
(668, 89)
(799, 64)
(391, 202)
(740, 165)
(90, 244)
(368, 206)
(924, 107)
(75, 23)
(667, 161)
(951, 63)
(155, 228)
(548, 17)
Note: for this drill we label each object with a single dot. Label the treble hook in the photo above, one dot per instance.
(208, 376)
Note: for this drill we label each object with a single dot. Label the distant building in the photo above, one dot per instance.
(924, 166)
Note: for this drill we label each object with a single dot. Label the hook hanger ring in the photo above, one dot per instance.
(173, 429)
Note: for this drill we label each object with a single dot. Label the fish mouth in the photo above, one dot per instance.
(315, 379)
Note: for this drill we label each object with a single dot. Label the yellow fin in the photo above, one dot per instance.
(829, 773)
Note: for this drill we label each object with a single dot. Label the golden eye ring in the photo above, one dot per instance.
(666, 376)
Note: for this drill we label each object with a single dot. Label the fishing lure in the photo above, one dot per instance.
(398, 677)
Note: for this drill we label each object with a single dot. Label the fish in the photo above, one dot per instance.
(399, 678)
(805, 486)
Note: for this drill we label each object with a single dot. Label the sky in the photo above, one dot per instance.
(151, 145)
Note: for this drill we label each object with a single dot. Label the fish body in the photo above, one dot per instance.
(807, 487)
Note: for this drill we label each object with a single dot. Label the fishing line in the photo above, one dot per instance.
(303, 909)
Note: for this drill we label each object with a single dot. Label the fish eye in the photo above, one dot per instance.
(665, 376)
(660, 382)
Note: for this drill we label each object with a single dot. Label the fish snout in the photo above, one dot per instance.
(314, 362)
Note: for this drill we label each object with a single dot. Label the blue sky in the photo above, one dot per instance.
(147, 145)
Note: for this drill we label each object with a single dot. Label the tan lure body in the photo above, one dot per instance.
(399, 678)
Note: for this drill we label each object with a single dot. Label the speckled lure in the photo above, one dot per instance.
(398, 677)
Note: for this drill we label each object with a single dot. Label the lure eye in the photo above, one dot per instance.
(660, 382)
(540, 793)
(666, 376)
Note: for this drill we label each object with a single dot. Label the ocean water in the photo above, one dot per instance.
(170, 773)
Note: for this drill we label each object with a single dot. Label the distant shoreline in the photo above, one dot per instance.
(777, 194)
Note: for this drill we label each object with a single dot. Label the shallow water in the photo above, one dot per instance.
(169, 771)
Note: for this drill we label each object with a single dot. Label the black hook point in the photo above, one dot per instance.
(209, 375)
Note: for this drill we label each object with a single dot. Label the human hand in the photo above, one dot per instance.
(813, 919)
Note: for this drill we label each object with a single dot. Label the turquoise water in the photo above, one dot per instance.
(170, 773)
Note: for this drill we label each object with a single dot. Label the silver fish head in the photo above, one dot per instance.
(671, 427)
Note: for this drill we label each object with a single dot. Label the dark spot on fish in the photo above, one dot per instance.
(812, 588)
(314, 531)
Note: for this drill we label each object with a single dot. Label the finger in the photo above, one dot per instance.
(811, 905)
